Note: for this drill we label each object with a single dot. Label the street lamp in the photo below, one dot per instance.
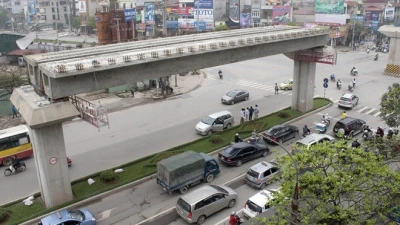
(295, 199)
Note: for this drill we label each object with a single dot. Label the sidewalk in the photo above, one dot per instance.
(117, 102)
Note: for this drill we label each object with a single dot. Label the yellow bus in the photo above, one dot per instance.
(14, 141)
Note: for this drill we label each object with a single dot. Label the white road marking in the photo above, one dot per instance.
(377, 114)
(362, 109)
(222, 222)
(370, 111)
(104, 215)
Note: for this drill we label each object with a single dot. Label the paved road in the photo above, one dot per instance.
(64, 36)
(144, 130)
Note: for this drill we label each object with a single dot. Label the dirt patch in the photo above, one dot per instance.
(6, 218)
(8, 121)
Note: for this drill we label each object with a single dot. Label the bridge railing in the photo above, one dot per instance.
(119, 59)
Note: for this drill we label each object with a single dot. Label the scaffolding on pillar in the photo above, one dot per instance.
(326, 55)
(91, 113)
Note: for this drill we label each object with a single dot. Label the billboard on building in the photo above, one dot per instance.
(129, 15)
(204, 14)
(281, 14)
(82, 6)
(245, 20)
(172, 3)
(329, 18)
(374, 25)
(358, 19)
(234, 12)
(368, 16)
(375, 16)
(149, 16)
(301, 7)
(185, 11)
(389, 13)
(192, 24)
(329, 7)
(33, 7)
(204, 4)
(172, 24)
(186, 23)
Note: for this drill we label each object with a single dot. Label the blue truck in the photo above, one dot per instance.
(181, 171)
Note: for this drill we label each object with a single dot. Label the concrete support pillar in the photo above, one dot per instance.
(45, 120)
(303, 85)
(393, 64)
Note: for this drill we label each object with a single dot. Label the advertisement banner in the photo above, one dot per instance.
(149, 16)
(201, 24)
(172, 24)
(172, 3)
(185, 11)
(329, 18)
(374, 25)
(82, 7)
(368, 16)
(204, 14)
(129, 15)
(389, 13)
(204, 4)
(234, 12)
(186, 23)
(142, 26)
(173, 10)
(329, 7)
(281, 14)
(245, 20)
(301, 7)
(138, 16)
(375, 16)
(358, 19)
(33, 8)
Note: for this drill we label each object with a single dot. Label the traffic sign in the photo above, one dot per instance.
(326, 82)
(325, 85)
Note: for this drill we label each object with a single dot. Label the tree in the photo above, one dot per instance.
(337, 185)
(221, 27)
(76, 23)
(291, 23)
(390, 106)
(3, 17)
(92, 22)
(10, 78)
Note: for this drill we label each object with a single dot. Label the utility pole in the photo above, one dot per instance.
(69, 16)
(118, 32)
(198, 15)
(304, 13)
(164, 19)
(354, 26)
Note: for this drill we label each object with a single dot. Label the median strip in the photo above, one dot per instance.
(140, 170)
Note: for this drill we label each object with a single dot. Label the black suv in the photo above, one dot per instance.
(349, 127)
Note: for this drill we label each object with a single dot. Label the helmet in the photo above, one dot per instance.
(237, 134)
(233, 213)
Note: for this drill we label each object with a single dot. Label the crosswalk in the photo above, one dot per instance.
(271, 88)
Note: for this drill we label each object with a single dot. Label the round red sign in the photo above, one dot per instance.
(53, 161)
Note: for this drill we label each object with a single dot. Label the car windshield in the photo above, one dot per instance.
(220, 189)
(231, 94)
(231, 151)
(274, 130)
(253, 206)
(76, 215)
(340, 125)
(286, 81)
(208, 120)
(344, 99)
(253, 173)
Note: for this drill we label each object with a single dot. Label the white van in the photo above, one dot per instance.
(259, 203)
(215, 122)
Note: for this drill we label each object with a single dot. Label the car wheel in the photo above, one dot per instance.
(183, 189)
(231, 203)
(263, 185)
(210, 178)
(265, 154)
(232, 102)
(209, 133)
(7, 161)
(201, 219)
(239, 163)
(247, 98)
(228, 126)
(286, 88)
(22, 168)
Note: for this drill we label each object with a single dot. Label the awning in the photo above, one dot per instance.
(24, 42)
(351, 3)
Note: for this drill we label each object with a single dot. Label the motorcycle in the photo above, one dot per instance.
(306, 133)
(376, 58)
(368, 50)
(339, 86)
(253, 140)
(10, 169)
(354, 72)
(239, 220)
(333, 78)
(367, 135)
(220, 75)
(350, 88)
(323, 126)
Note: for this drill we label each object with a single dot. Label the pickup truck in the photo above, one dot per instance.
(181, 171)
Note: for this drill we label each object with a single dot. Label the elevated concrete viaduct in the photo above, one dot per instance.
(393, 64)
(45, 105)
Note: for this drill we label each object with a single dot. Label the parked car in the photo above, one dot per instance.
(259, 203)
(180, 171)
(348, 100)
(234, 96)
(215, 122)
(349, 127)
(262, 174)
(196, 206)
(67, 216)
(286, 85)
(281, 133)
(241, 152)
(311, 140)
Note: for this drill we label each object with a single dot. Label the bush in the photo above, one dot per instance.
(216, 139)
(283, 115)
(108, 176)
(3, 214)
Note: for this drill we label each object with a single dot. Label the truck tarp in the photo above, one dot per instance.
(180, 168)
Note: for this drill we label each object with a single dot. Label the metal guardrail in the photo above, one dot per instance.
(119, 59)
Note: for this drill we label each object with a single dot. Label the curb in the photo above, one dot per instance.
(140, 181)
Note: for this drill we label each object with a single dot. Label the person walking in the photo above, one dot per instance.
(14, 111)
(251, 111)
(242, 116)
(354, 83)
(276, 88)
(247, 113)
(133, 92)
(256, 112)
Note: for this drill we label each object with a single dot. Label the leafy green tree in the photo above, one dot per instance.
(221, 27)
(11, 77)
(3, 17)
(337, 185)
(92, 22)
(390, 106)
(76, 23)
(291, 24)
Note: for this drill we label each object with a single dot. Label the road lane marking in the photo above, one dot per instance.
(104, 215)
(377, 114)
(370, 111)
(362, 109)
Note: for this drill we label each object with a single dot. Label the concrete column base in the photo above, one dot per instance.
(392, 70)
(393, 64)
(45, 120)
(303, 85)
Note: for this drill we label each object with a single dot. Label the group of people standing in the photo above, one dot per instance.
(246, 114)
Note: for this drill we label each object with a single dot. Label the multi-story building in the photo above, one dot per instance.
(53, 11)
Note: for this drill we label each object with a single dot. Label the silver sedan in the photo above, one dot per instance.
(234, 96)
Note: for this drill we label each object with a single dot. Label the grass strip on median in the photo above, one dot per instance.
(146, 166)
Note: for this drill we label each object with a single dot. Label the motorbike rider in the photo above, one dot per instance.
(232, 218)
(380, 132)
(355, 144)
(338, 83)
(376, 56)
(15, 163)
(332, 76)
(238, 138)
(306, 131)
(353, 70)
(325, 119)
(220, 73)
(390, 133)
(254, 136)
